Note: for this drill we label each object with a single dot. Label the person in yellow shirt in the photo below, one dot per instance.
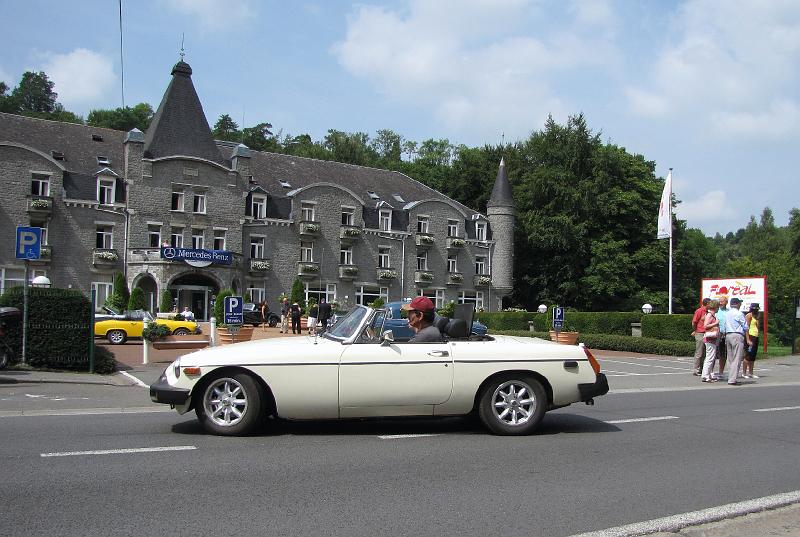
(751, 336)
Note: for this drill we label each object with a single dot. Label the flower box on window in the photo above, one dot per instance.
(482, 280)
(307, 268)
(259, 265)
(386, 274)
(425, 240)
(308, 227)
(348, 272)
(423, 276)
(40, 204)
(104, 256)
(454, 243)
(454, 278)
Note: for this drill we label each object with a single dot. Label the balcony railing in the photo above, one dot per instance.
(425, 240)
(455, 278)
(482, 280)
(386, 273)
(45, 255)
(349, 233)
(454, 243)
(310, 228)
(348, 272)
(104, 256)
(423, 276)
(259, 265)
(307, 269)
(40, 204)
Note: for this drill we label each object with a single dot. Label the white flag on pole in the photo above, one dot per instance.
(665, 210)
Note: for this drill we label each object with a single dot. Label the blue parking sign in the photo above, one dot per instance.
(558, 318)
(29, 242)
(234, 313)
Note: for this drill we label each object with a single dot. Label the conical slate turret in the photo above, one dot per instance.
(502, 217)
(179, 126)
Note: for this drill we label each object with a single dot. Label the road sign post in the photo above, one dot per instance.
(233, 315)
(558, 319)
(28, 246)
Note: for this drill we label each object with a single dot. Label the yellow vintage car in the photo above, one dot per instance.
(118, 327)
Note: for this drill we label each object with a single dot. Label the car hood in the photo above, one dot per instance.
(264, 351)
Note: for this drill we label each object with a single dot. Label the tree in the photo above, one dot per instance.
(137, 300)
(351, 148)
(7, 103)
(387, 145)
(226, 129)
(260, 138)
(298, 293)
(123, 119)
(34, 95)
(120, 295)
(165, 304)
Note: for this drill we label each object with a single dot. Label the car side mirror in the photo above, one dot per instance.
(388, 338)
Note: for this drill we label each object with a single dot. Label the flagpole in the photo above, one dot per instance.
(670, 242)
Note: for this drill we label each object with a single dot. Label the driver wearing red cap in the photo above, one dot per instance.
(421, 312)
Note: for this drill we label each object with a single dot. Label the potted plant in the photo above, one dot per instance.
(226, 336)
(565, 338)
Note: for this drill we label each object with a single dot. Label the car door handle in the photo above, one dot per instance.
(438, 353)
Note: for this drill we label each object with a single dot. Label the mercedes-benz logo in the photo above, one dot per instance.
(169, 253)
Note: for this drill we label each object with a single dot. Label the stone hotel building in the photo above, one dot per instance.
(108, 201)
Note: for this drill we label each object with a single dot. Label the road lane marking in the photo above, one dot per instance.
(646, 365)
(118, 451)
(400, 436)
(675, 523)
(134, 379)
(82, 412)
(638, 420)
(612, 373)
(775, 409)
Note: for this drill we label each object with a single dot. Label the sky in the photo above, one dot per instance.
(708, 88)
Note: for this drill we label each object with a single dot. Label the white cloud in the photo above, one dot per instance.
(215, 15)
(6, 77)
(81, 77)
(475, 65)
(709, 207)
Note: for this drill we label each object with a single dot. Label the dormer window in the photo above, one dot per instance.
(480, 231)
(399, 198)
(106, 190)
(307, 211)
(97, 138)
(57, 155)
(373, 195)
(258, 207)
(452, 228)
(385, 220)
(103, 161)
(422, 224)
(285, 184)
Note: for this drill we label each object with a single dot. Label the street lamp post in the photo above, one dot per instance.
(647, 308)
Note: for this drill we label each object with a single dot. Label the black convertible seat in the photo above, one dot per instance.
(457, 329)
(441, 323)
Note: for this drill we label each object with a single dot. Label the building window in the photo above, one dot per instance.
(258, 207)
(385, 220)
(154, 235)
(198, 241)
(452, 263)
(40, 186)
(347, 216)
(257, 247)
(199, 205)
(103, 288)
(104, 237)
(480, 264)
(367, 294)
(422, 261)
(422, 224)
(384, 257)
(469, 297)
(436, 296)
(257, 294)
(346, 256)
(105, 191)
(306, 251)
(480, 231)
(307, 211)
(177, 200)
(42, 224)
(219, 239)
(11, 278)
(452, 228)
(176, 237)
(317, 293)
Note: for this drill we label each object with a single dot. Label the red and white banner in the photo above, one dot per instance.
(751, 290)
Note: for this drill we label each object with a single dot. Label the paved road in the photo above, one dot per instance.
(660, 444)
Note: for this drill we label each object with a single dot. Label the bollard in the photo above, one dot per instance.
(145, 345)
(213, 335)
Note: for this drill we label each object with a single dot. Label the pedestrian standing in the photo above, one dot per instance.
(295, 313)
(735, 328)
(285, 316)
(264, 315)
(324, 313)
(699, 332)
(711, 333)
(722, 352)
(313, 314)
(751, 337)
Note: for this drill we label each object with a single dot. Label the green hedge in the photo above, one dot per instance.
(614, 322)
(58, 330)
(611, 342)
(507, 320)
(676, 327)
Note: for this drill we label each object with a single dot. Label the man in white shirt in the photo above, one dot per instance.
(735, 327)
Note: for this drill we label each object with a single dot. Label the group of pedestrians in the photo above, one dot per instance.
(318, 316)
(724, 334)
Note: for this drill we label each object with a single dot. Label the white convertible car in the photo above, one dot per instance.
(358, 370)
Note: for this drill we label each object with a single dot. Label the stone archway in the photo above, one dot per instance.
(147, 283)
(196, 291)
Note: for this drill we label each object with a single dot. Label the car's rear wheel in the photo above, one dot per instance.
(512, 405)
(180, 332)
(273, 322)
(116, 337)
(230, 405)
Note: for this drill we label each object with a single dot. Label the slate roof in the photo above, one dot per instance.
(502, 196)
(179, 126)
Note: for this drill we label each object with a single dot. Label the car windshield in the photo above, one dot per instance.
(347, 324)
(147, 315)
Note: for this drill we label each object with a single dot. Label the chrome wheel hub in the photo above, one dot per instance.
(225, 402)
(514, 403)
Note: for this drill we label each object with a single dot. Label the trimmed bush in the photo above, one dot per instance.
(676, 327)
(137, 301)
(165, 304)
(298, 293)
(507, 320)
(590, 322)
(611, 342)
(121, 295)
(219, 304)
(104, 362)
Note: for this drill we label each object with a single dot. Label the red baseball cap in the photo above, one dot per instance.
(421, 303)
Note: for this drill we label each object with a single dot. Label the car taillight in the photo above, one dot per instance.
(592, 360)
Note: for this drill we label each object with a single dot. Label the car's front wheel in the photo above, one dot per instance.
(273, 322)
(116, 337)
(180, 332)
(512, 405)
(230, 405)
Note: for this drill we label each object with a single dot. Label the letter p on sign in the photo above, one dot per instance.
(29, 242)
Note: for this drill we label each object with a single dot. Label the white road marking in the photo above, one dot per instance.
(33, 396)
(646, 365)
(82, 412)
(637, 420)
(628, 374)
(776, 408)
(400, 436)
(675, 523)
(118, 451)
(134, 379)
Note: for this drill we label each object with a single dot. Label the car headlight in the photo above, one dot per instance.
(176, 367)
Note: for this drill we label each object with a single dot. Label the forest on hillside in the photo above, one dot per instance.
(586, 209)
